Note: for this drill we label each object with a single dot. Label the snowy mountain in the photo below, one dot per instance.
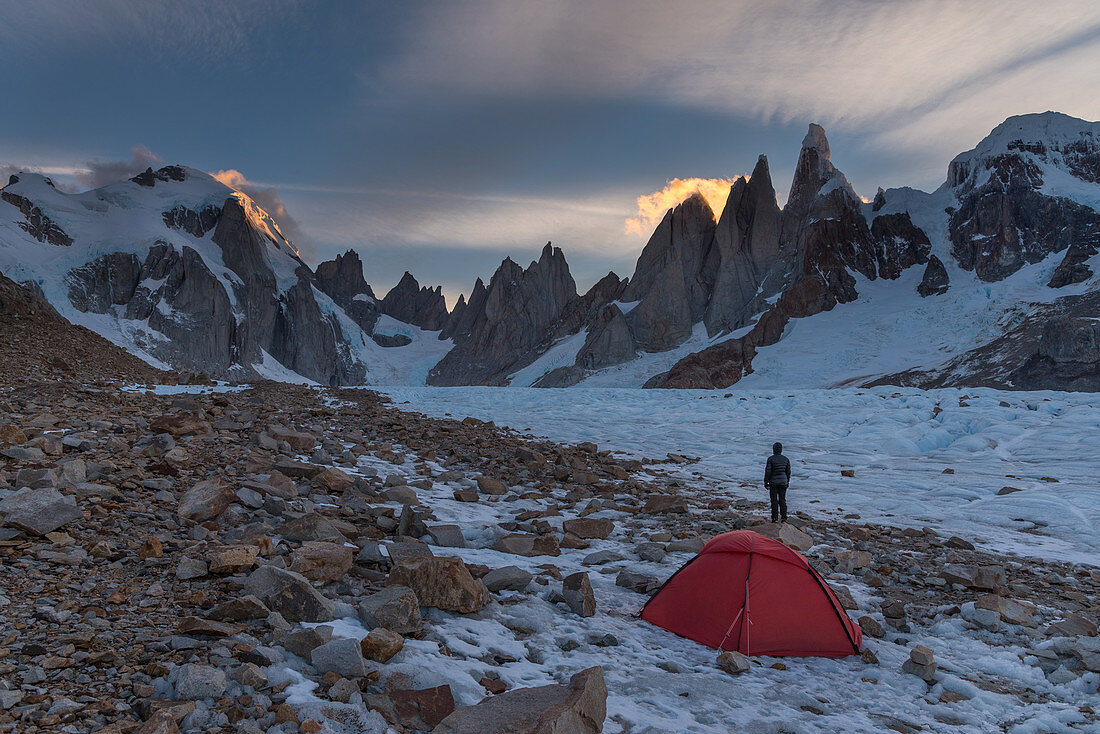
(184, 271)
(989, 280)
(827, 290)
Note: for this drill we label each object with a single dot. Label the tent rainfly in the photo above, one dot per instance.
(752, 594)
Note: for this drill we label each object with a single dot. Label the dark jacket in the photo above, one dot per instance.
(777, 471)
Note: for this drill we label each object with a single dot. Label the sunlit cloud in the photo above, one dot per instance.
(652, 207)
(268, 198)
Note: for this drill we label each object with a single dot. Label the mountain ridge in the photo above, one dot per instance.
(184, 271)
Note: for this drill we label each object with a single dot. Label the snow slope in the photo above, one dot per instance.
(127, 217)
(894, 439)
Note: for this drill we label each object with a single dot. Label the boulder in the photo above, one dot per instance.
(733, 662)
(381, 644)
(447, 536)
(190, 568)
(489, 485)
(312, 526)
(195, 682)
(578, 707)
(442, 583)
(240, 609)
(523, 544)
(160, 722)
(851, 561)
(297, 440)
(870, 626)
(333, 480)
(395, 608)
(1073, 625)
(415, 710)
(589, 527)
(232, 558)
(664, 504)
(179, 424)
(402, 495)
(576, 589)
(39, 511)
(11, 434)
(289, 594)
(1012, 611)
(513, 578)
(920, 664)
(341, 655)
(786, 534)
(303, 641)
(321, 561)
(637, 582)
(206, 500)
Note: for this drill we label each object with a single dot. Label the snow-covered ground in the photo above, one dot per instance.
(660, 683)
(899, 443)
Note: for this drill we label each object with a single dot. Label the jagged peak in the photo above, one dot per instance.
(815, 138)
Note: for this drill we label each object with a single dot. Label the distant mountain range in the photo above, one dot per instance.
(989, 280)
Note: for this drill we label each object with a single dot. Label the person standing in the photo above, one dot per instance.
(777, 477)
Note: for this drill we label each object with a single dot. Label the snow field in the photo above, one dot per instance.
(659, 682)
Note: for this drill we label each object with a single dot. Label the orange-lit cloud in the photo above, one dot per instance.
(267, 198)
(652, 207)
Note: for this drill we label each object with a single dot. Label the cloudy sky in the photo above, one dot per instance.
(439, 137)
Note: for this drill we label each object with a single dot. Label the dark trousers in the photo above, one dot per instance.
(779, 501)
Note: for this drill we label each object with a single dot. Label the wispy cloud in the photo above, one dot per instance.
(198, 30)
(98, 173)
(850, 64)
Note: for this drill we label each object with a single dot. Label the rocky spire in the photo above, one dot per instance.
(668, 280)
(746, 252)
(455, 316)
(423, 307)
(503, 324)
(342, 280)
(813, 170)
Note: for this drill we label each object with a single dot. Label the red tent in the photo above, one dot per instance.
(752, 594)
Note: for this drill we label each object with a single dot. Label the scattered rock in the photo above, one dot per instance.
(443, 583)
(512, 578)
(733, 662)
(39, 511)
(577, 708)
(381, 644)
(395, 608)
(576, 589)
(289, 594)
(322, 561)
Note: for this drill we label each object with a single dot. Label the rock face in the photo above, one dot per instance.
(423, 307)
(935, 281)
(342, 280)
(503, 323)
(577, 708)
(210, 285)
(1005, 219)
(668, 284)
